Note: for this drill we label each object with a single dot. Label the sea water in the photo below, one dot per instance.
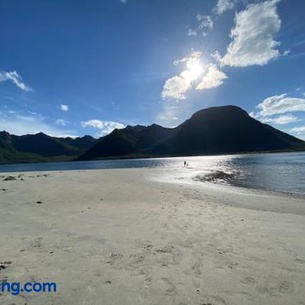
(284, 172)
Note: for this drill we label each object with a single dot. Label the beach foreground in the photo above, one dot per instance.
(123, 237)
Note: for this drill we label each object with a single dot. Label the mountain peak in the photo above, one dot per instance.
(215, 130)
(228, 109)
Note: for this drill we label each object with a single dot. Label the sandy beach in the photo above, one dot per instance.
(126, 237)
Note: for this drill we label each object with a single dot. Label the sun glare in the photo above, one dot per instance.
(194, 70)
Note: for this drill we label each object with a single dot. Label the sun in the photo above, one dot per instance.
(193, 71)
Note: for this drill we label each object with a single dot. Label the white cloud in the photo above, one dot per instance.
(253, 36)
(124, 1)
(176, 87)
(280, 120)
(277, 110)
(15, 78)
(63, 107)
(279, 104)
(224, 5)
(105, 127)
(212, 79)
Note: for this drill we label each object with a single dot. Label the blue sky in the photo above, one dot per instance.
(70, 68)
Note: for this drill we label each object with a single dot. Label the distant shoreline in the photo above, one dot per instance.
(134, 157)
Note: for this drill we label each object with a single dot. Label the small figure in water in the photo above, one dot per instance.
(184, 163)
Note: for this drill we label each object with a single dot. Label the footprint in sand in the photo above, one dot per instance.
(166, 249)
(301, 261)
(213, 300)
(170, 287)
(285, 287)
(196, 268)
(37, 242)
(137, 258)
(114, 257)
(249, 280)
(276, 289)
(147, 281)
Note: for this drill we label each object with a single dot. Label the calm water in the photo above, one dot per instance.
(283, 172)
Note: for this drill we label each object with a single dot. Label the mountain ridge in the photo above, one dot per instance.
(215, 130)
(40, 147)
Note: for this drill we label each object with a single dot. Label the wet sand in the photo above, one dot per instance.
(126, 237)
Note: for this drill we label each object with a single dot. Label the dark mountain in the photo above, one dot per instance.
(42, 144)
(128, 141)
(227, 129)
(41, 147)
(84, 142)
(216, 130)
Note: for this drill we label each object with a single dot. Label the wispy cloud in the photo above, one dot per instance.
(277, 110)
(15, 78)
(104, 127)
(63, 107)
(205, 24)
(279, 104)
(298, 131)
(10, 98)
(253, 36)
(224, 5)
(25, 118)
(191, 32)
(172, 113)
(280, 120)
(61, 122)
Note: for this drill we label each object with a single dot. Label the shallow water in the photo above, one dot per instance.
(284, 172)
